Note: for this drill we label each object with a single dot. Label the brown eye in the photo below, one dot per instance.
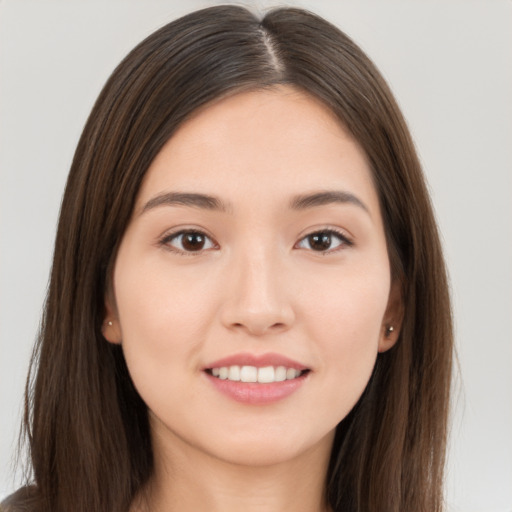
(193, 241)
(189, 241)
(320, 242)
(323, 241)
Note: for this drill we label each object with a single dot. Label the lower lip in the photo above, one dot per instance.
(254, 393)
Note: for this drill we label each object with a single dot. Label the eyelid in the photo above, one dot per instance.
(346, 240)
(165, 239)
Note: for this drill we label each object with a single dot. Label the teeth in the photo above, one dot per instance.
(266, 374)
(291, 373)
(234, 373)
(263, 375)
(249, 374)
(280, 373)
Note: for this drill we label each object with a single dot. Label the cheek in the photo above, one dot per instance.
(345, 322)
(349, 304)
(159, 315)
(154, 297)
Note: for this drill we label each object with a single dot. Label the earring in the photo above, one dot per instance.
(389, 330)
(109, 323)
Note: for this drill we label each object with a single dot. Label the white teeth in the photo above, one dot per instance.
(234, 373)
(264, 375)
(249, 374)
(280, 373)
(291, 373)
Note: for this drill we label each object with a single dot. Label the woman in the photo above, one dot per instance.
(248, 303)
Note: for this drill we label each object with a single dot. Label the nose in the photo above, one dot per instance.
(257, 295)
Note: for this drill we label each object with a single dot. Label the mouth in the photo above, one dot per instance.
(257, 379)
(254, 374)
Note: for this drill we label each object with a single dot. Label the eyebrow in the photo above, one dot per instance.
(207, 202)
(194, 200)
(327, 197)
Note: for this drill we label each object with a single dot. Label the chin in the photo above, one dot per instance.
(271, 448)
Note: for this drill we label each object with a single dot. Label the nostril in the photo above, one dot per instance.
(260, 328)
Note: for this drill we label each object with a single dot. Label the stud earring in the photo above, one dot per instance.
(109, 323)
(389, 330)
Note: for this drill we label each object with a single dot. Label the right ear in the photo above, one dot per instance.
(111, 327)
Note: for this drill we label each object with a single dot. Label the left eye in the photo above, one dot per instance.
(189, 241)
(323, 241)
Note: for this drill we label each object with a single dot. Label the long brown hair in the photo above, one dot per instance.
(87, 427)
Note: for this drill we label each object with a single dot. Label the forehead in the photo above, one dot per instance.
(258, 145)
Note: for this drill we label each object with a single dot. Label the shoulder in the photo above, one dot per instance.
(23, 500)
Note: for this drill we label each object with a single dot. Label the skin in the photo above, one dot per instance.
(258, 286)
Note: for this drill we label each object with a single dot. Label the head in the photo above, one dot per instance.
(89, 423)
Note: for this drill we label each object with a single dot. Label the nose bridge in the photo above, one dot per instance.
(258, 276)
(258, 298)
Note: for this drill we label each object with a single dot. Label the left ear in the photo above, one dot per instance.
(111, 327)
(393, 318)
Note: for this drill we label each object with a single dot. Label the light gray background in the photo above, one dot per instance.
(449, 64)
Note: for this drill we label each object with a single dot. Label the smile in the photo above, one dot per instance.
(263, 375)
(257, 379)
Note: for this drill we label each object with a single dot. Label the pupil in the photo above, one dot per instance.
(320, 242)
(193, 241)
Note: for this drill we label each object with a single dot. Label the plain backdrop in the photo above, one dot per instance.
(450, 66)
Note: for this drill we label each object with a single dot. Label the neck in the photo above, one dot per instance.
(186, 480)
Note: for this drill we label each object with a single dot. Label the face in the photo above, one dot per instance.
(251, 290)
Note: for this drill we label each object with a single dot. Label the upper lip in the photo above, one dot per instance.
(257, 360)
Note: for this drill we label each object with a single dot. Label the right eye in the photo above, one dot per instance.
(325, 241)
(187, 242)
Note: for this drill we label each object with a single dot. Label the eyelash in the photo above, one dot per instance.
(171, 236)
(165, 241)
(344, 240)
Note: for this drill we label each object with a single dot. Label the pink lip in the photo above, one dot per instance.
(259, 361)
(253, 393)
